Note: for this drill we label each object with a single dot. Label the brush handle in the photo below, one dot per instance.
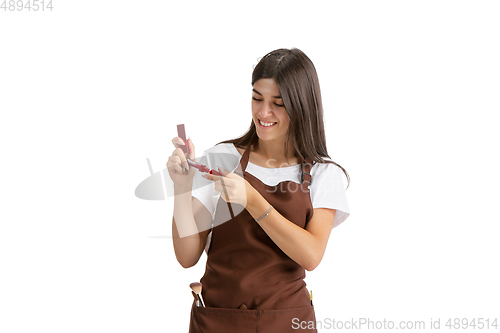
(197, 302)
(200, 298)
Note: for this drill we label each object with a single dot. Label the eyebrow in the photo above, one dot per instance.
(258, 93)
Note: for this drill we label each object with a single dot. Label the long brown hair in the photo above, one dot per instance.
(298, 83)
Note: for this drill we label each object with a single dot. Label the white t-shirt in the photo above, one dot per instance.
(326, 189)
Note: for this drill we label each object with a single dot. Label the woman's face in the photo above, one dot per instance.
(268, 108)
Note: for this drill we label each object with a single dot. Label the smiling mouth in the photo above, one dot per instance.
(267, 124)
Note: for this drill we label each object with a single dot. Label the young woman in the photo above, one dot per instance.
(290, 193)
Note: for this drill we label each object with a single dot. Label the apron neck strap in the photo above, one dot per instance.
(305, 168)
(246, 154)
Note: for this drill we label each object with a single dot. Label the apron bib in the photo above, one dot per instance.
(244, 266)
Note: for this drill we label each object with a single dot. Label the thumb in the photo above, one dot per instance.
(191, 147)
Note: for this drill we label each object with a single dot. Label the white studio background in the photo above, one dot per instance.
(91, 89)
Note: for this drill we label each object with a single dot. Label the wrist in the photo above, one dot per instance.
(257, 205)
(251, 196)
(184, 188)
(266, 213)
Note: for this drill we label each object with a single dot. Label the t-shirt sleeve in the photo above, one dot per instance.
(327, 190)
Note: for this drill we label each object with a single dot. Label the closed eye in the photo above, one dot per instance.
(259, 100)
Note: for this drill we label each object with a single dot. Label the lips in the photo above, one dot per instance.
(267, 124)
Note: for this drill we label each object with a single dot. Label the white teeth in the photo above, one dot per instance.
(266, 124)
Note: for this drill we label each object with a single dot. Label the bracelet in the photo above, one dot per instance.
(265, 214)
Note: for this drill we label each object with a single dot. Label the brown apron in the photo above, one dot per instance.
(244, 266)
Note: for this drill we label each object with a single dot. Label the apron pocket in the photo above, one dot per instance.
(222, 320)
(288, 320)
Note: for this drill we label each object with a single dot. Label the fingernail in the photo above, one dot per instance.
(180, 142)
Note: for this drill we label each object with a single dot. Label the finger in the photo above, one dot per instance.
(228, 174)
(222, 183)
(174, 159)
(215, 178)
(177, 160)
(173, 165)
(191, 154)
(208, 176)
(177, 141)
(223, 172)
(183, 162)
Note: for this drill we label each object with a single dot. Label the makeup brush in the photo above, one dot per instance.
(202, 168)
(196, 287)
(197, 302)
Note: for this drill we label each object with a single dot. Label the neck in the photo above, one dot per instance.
(274, 152)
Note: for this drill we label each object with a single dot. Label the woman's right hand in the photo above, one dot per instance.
(177, 164)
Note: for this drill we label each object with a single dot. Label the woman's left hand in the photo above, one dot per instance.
(232, 187)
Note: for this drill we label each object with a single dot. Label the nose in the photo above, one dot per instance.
(265, 111)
